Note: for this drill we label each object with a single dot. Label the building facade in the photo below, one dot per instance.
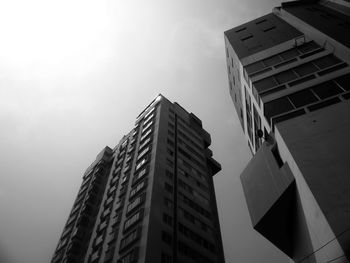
(151, 198)
(289, 80)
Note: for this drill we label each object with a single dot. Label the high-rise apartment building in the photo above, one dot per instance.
(289, 79)
(151, 198)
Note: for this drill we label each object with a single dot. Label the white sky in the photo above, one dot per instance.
(73, 77)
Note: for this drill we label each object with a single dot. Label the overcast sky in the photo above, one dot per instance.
(74, 74)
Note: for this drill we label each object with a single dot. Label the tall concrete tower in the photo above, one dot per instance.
(289, 80)
(151, 198)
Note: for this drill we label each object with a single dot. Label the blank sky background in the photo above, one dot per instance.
(73, 77)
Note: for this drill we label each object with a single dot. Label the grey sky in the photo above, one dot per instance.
(73, 77)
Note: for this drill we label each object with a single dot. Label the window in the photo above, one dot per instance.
(309, 46)
(277, 107)
(302, 98)
(147, 126)
(145, 142)
(169, 174)
(135, 203)
(168, 188)
(285, 76)
(196, 237)
(261, 21)
(140, 175)
(289, 54)
(148, 119)
(141, 163)
(272, 60)
(171, 134)
(145, 135)
(305, 69)
(166, 258)
(327, 89)
(132, 220)
(171, 126)
(241, 29)
(125, 178)
(246, 37)
(188, 216)
(265, 84)
(269, 28)
(169, 162)
(136, 189)
(143, 152)
(129, 239)
(257, 66)
(194, 205)
(170, 142)
(167, 219)
(170, 152)
(344, 81)
(166, 238)
(168, 203)
(326, 61)
(149, 113)
(131, 257)
(185, 186)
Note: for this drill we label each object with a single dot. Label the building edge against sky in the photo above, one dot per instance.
(289, 80)
(151, 198)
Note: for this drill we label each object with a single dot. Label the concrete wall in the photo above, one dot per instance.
(316, 147)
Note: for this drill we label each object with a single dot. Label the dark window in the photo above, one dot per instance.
(277, 107)
(269, 28)
(169, 162)
(302, 98)
(305, 69)
(288, 116)
(344, 81)
(326, 61)
(169, 174)
(261, 21)
(167, 219)
(241, 29)
(272, 60)
(166, 238)
(265, 84)
(129, 239)
(166, 258)
(246, 37)
(285, 63)
(289, 54)
(170, 142)
(308, 47)
(301, 80)
(131, 257)
(327, 89)
(285, 76)
(324, 103)
(168, 203)
(254, 67)
(170, 152)
(168, 187)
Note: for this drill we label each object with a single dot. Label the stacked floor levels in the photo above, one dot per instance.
(151, 198)
(289, 80)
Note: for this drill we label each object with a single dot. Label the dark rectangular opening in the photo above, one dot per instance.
(329, 70)
(301, 80)
(282, 87)
(323, 104)
(288, 116)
